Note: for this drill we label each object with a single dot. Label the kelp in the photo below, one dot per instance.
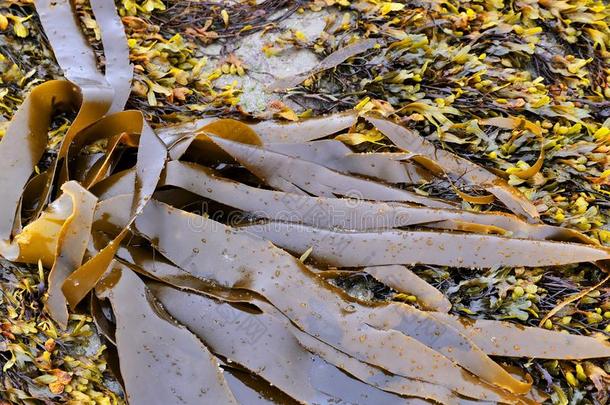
(226, 257)
(502, 339)
(230, 332)
(403, 280)
(23, 145)
(298, 176)
(72, 242)
(306, 130)
(355, 249)
(388, 167)
(155, 352)
(242, 263)
(272, 131)
(335, 212)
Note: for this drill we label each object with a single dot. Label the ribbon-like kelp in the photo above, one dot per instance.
(214, 242)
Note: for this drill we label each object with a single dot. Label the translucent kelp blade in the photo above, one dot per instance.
(24, 143)
(263, 344)
(465, 169)
(149, 165)
(294, 175)
(499, 338)
(306, 130)
(331, 61)
(235, 259)
(389, 167)
(117, 69)
(356, 249)
(38, 240)
(334, 212)
(72, 244)
(404, 280)
(161, 361)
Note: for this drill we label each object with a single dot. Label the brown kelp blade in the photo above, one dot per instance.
(305, 130)
(298, 176)
(499, 338)
(72, 244)
(463, 168)
(160, 360)
(388, 167)
(72, 51)
(403, 280)
(76, 57)
(356, 249)
(117, 70)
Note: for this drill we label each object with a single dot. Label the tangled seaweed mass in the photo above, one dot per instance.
(208, 253)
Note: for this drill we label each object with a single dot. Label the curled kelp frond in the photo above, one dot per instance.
(72, 242)
(24, 143)
(149, 164)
